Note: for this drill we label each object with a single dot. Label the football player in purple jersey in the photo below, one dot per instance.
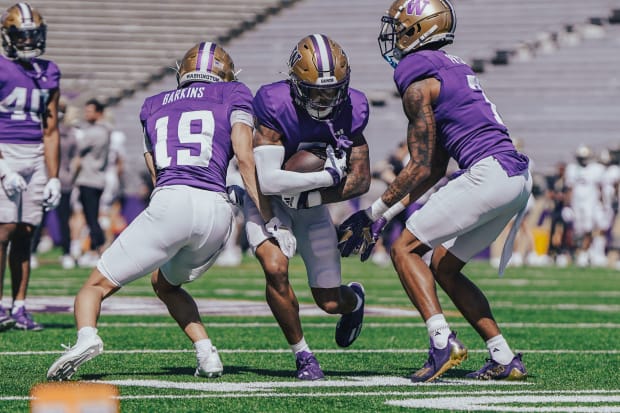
(449, 117)
(29, 149)
(191, 134)
(313, 109)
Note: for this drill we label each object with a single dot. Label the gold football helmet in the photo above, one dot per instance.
(23, 32)
(412, 24)
(319, 75)
(205, 62)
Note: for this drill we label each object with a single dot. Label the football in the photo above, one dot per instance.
(306, 160)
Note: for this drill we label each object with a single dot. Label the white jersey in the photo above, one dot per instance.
(585, 182)
(611, 179)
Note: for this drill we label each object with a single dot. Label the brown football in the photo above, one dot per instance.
(306, 160)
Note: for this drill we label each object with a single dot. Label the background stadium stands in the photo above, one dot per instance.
(550, 67)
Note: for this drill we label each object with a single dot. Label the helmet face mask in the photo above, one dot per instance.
(319, 76)
(23, 32)
(410, 25)
(205, 62)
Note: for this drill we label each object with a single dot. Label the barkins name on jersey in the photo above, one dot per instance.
(185, 93)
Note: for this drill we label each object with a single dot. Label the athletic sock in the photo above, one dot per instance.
(438, 330)
(17, 304)
(301, 346)
(86, 333)
(499, 350)
(203, 347)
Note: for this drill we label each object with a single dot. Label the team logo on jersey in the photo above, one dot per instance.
(416, 7)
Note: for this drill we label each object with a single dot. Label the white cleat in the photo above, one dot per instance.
(210, 366)
(67, 364)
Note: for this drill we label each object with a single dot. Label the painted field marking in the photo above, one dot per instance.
(504, 403)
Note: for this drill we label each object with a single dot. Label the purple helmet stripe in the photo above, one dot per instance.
(322, 51)
(211, 57)
(199, 58)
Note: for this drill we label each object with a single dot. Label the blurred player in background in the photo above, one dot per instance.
(314, 108)
(449, 117)
(93, 139)
(29, 149)
(584, 178)
(191, 134)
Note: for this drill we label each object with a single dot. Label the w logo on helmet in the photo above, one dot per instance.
(416, 7)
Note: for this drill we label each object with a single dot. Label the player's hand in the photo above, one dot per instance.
(236, 195)
(353, 233)
(51, 194)
(296, 201)
(375, 232)
(13, 184)
(283, 235)
(335, 164)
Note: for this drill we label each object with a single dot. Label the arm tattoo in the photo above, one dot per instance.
(266, 136)
(421, 140)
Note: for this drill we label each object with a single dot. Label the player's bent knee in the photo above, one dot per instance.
(327, 299)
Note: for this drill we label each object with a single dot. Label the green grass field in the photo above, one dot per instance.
(565, 321)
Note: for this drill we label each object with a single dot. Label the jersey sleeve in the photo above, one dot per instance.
(264, 110)
(144, 114)
(412, 68)
(361, 113)
(241, 99)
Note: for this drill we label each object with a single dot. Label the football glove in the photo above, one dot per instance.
(283, 235)
(13, 183)
(375, 232)
(51, 194)
(353, 233)
(335, 164)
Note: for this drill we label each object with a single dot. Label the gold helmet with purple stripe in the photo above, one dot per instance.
(319, 75)
(205, 62)
(23, 32)
(410, 25)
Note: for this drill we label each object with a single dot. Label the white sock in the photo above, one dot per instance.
(203, 347)
(499, 350)
(438, 330)
(301, 346)
(17, 304)
(86, 332)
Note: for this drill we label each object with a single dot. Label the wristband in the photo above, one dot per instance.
(334, 175)
(314, 199)
(377, 209)
(394, 210)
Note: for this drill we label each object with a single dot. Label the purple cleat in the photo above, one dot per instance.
(492, 370)
(441, 360)
(24, 321)
(308, 367)
(6, 321)
(349, 326)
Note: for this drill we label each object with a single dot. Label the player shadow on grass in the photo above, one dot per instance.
(59, 326)
(285, 374)
(334, 374)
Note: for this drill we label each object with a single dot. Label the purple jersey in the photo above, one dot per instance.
(275, 109)
(24, 96)
(468, 124)
(188, 132)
